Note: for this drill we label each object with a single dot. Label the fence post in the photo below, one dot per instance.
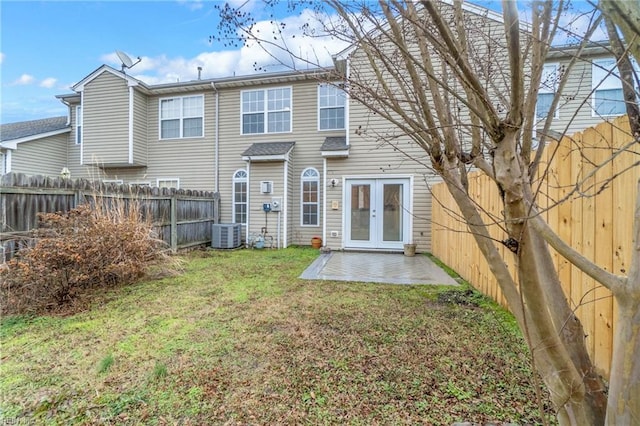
(174, 223)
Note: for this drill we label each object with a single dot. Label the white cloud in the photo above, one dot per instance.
(192, 5)
(24, 80)
(48, 83)
(310, 52)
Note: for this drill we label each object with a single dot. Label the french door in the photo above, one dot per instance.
(377, 213)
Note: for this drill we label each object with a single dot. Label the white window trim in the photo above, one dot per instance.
(79, 126)
(235, 179)
(201, 96)
(117, 181)
(145, 183)
(168, 179)
(265, 111)
(304, 179)
(546, 90)
(320, 108)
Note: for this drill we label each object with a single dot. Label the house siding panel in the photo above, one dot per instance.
(106, 120)
(575, 105)
(140, 128)
(46, 156)
(190, 159)
(306, 152)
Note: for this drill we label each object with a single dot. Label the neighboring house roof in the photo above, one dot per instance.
(335, 146)
(24, 131)
(265, 151)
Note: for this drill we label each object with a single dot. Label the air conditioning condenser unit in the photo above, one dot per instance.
(226, 235)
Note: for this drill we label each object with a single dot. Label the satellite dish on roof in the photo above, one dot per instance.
(126, 60)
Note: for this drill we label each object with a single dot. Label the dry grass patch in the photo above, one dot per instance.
(239, 339)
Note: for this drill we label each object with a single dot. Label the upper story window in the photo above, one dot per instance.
(266, 111)
(78, 125)
(331, 102)
(182, 117)
(310, 197)
(547, 91)
(608, 97)
(240, 196)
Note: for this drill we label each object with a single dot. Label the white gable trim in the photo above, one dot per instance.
(79, 87)
(13, 144)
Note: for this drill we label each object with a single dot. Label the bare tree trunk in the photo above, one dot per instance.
(556, 336)
(623, 407)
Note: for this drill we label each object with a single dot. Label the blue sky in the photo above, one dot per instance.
(47, 46)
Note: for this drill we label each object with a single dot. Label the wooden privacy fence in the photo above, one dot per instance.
(181, 218)
(588, 196)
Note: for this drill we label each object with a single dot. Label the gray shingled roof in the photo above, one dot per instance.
(23, 129)
(335, 143)
(268, 148)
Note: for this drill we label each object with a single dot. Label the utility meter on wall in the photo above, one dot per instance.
(276, 204)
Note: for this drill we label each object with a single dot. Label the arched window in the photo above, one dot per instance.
(240, 196)
(310, 197)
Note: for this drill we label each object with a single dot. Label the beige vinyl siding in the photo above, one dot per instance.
(272, 171)
(293, 237)
(140, 128)
(575, 111)
(335, 170)
(306, 152)
(105, 124)
(46, 156)
(190, 159)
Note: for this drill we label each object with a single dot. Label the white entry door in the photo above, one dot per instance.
(377, 213)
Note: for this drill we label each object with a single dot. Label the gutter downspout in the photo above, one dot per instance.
(248, 199)
(217, 139)
(324, 201)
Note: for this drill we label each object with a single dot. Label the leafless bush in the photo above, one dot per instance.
(106, 243)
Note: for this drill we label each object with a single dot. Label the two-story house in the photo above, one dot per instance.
(285, 139)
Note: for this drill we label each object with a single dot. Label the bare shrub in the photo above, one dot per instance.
(105, 243)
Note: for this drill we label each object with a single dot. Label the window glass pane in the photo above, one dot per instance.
(192, 127)
(310, 214)
(253, 123)
(609, 102)
(192, 106)
(331, 118)
(544, 104)
(331, 96)
(253, 101)
(279, 122)
(170, 129)
(170, 108)
(279, 99)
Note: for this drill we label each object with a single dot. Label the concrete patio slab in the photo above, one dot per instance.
(386, 268)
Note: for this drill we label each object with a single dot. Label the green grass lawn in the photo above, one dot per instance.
(239, 339)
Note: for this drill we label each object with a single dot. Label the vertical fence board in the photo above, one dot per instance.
(23, 198)
(599, 226)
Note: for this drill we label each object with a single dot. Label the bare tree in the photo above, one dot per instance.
(461, 84)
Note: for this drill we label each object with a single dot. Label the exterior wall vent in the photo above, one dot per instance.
(266, 187)
(226, 236)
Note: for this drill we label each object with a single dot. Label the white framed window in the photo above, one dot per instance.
(331, 104)
(608, 97)
(547, 91)
(2, 164)
(310, 187)
(168, 183)
(78, 125)
(240, 179)
(116, 181)
(140, 184)
(266, 111)
(182, 117)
